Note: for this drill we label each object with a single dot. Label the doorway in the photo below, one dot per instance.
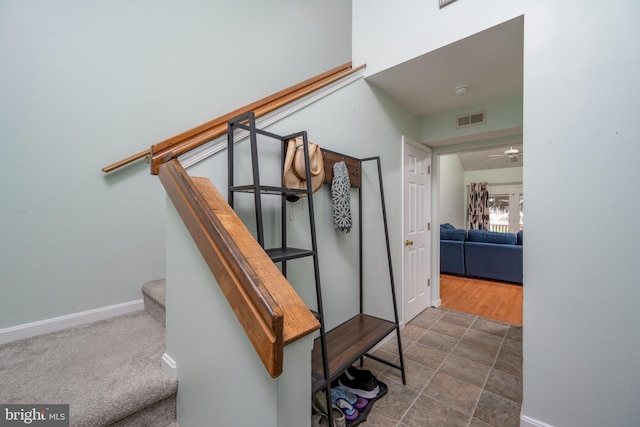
(455, 170)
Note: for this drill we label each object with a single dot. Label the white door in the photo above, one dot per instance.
(417, 228)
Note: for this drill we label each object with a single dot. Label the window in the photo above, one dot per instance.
(505, 208)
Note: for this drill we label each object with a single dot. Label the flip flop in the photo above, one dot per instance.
(361, 403)
(350, 413)
(344, 393)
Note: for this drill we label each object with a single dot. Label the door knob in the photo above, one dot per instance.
(408, 242)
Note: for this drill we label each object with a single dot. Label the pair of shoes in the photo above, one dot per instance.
(357, 401)
(319, 404)
(361, 382)
(344, 403)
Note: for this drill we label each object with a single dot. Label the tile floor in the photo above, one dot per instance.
(462, 370)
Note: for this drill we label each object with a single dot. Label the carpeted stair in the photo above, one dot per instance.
(109, 371)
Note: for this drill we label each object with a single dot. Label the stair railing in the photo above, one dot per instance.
(272, 314)
(199, 135)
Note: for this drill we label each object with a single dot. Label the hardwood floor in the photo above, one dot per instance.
(495, 300)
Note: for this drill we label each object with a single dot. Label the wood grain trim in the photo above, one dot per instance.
(126, 161)
(270, 311)
(353, 167)
(193, 138)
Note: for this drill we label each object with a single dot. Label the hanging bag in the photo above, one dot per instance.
(294, 175)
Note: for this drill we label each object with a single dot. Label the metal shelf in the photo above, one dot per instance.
(334, 351)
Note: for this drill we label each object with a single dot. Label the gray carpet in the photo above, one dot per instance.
(154, 294)
(106, 371)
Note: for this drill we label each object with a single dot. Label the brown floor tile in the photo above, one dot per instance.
(416, 374)
(377, 418)
(439, 341)
(484, 339)
(467, 370)
(505, 385)
(490, 326)
(374, 366)
(428, 356)
(477, 423)
(433, 313)
(515, 333)
(391, 345)
(424, 322)
(450, 329)
(397, 400)
(410, 332)
(453, 392)
(512, 347)
(497, 411)
(462, 319)
(427, 412)
(509, 363)
(475, 352)
(447, 365)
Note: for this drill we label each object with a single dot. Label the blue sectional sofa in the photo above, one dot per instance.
(482, 254)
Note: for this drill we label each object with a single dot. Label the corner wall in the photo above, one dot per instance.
(581, 296)
(87, 84)
(580, 96)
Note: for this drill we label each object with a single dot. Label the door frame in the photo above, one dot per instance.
(408, 141)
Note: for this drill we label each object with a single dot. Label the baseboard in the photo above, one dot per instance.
(530, 422)
(28, 330)
(169, 366)
(436, 303)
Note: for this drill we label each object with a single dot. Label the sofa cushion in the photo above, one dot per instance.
(519, 238)
(491, 237)
(453, 234)
(452, 257)
(447, 225)
(493, 261)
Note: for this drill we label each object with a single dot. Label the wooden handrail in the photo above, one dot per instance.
(270, 311)
(126, 161)
(192, 138)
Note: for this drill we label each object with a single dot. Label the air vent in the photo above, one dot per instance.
(470, 119)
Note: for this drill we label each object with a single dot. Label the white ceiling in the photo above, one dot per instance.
(489, 62)
(481, 159)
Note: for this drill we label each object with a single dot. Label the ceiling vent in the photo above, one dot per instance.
(470, 119)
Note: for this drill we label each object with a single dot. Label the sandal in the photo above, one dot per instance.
(319, 404)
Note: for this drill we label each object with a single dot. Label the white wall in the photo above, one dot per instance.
(495, 176)
(581, 316)
(385, 35)
(217, 366)
(501, 114)
(580, 302)
(361, 122)
(84, 84)
(452, 190)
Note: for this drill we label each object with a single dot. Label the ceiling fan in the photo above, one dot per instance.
(510, 153)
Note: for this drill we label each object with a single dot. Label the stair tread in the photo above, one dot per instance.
(104, 370)
(156, 290)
